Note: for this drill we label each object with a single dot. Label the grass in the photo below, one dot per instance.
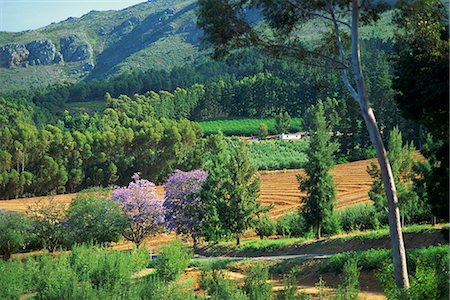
(334, 244)
(243, 126)
(87, 107)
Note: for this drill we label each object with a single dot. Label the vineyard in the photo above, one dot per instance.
(244, 126)
(279, 188)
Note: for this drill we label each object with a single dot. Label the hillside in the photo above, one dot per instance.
(156, 35)
(153, 34)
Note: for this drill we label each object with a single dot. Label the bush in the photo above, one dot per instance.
(97, 220)
(349, 286)
(219, 288)
(358, 217)
(291, 224)
(48, 224)
(256, 286)
(12, 282)
(173, 259)
(331, 225)
(156, 289)
(15, 231)
(265, 227)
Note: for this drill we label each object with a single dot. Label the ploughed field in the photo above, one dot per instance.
(279, 188)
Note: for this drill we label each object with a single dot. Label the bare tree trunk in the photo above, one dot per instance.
(398, 247)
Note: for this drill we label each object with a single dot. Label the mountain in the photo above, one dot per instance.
(152, 35)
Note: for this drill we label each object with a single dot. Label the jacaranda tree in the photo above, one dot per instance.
(143, 207)
(185, 210)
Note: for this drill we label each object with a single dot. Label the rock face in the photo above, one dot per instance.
(42, 52)
(13, 54)
(75, 49)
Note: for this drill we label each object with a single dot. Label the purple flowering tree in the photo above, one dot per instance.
(185, 210)
(143, 207)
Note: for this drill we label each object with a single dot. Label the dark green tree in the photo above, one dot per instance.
(318, 204)
(275, 28)
(421, 59)
(241, 206)
(282, 122)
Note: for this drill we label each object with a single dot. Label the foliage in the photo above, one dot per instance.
(15, 231)
(291, 224)
(422, 44)
(318, 184)
(348, 288)
(264, 226)
(243, 126)
(278, 154)
(185, 210)
(256, 286)
(157, 289)
(91, 219)
(402, 160)
(143, 208)
(282, 122)
(358, 217)
(173, 259)
(220, 288)
(263, 131)
(49, 224)
(231, 190)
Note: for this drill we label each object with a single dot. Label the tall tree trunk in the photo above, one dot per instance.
(318, 230)
(398, 247)
(238, 239)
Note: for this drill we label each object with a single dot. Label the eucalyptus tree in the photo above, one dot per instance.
(275, 27)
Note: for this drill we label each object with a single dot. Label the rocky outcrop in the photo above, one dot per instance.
(127, 26)
(75, 49)
(42, 52)
(13, 55)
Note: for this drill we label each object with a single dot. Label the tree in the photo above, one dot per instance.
(405, 175)
(318, 184)
(143, 208)
(49, 223)
(15, 230)
(263, 131)
(94, 219)
(241, 205)
(239, 25)
(421, 59)
(282, 122)
(185, 210)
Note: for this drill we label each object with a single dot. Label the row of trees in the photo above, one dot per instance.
(83, 151)
(218, 202)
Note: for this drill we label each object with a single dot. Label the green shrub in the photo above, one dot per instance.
(256, 286)
(220, 288)
(154, 288)
(12, 283)
(172, 260)
(265, 227)
(349, 286)
(291, 224)
(97, 220)
(289, 291)
(331, 225)
(15, 231)
(358, 217)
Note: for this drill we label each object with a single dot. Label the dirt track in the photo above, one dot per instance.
(279, 188)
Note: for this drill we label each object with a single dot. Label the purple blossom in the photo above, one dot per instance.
(184, 209)
(143, 207)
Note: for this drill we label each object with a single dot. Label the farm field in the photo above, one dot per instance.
(279, 188)
(244, 126)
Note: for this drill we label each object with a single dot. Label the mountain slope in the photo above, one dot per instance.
(153, 34)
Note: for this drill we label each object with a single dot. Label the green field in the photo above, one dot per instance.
(244, 126)
(278, 154)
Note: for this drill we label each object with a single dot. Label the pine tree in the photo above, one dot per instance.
(242, 205)
(318, 184)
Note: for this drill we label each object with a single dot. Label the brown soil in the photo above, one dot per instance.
(279, 188)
